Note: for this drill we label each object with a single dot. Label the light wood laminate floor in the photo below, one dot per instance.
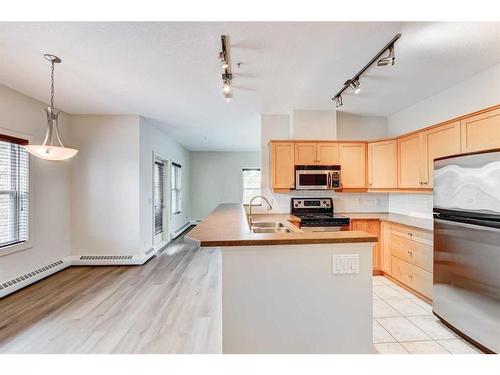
(172, 304)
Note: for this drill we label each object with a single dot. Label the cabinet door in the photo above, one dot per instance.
(439, 142)
(481, 132)
(383, 165)
(372, 227)
(352, 158)
(385, 247)
(282, 165)
(305, 153)
(328, 153)
(410, 162)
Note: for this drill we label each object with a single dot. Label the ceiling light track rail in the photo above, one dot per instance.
(225, 61)
(354, 84)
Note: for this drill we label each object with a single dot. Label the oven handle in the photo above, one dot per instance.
(330, 180)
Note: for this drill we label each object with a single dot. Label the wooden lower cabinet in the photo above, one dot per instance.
(372, 227)
(416, 253)
(412, 276)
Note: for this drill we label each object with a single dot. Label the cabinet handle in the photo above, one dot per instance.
(411, 277)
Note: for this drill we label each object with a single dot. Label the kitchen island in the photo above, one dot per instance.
(294, 292)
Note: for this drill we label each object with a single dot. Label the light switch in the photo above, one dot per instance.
(345, 264)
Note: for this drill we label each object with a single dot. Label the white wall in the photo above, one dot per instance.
(477, 92)
(216, 178)
(313, 124)
(105, 185)
(155, 140)
(356, 127)
(50, 198)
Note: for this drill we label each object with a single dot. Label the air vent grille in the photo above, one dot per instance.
(106, 257)
(29, 275)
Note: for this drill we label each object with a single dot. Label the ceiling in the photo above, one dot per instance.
(169, 71)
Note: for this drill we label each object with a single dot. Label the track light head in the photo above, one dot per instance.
(228, 96)
(226, 87)
(388, 60)
(355, 85)
(338, 101)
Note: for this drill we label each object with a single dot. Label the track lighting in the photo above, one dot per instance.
(226, 86)
(389, 60)
(225, 60)
(355, 86)
(354, 83)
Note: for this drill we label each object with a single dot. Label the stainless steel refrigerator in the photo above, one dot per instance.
(466, 289)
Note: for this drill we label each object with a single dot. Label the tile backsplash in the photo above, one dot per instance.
(343, 202)
(419, 205)
(411, 204)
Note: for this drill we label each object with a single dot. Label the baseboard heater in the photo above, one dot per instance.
(19, 282)
(28, 278)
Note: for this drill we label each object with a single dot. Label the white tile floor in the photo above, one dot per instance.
(404, 324)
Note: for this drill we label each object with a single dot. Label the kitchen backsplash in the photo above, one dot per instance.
(411, 204)
(343, 202)
(419, 205)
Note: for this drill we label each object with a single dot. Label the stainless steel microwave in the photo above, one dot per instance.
(317, 177)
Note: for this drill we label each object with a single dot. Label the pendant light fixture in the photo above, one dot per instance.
(52, 147)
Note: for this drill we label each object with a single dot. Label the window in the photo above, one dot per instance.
(251, 183)
(176, 194)
(14, 191)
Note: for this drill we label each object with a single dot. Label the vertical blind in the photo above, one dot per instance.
(158, 196)
(14, 191)
(176, 188)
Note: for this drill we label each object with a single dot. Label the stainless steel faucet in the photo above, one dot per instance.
(250, 208)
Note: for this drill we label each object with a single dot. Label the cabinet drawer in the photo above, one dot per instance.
(413, 252)
(414, 234)
(413, 277)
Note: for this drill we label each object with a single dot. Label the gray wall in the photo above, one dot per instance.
(216, 178)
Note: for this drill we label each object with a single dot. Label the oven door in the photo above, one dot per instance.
(312, 180)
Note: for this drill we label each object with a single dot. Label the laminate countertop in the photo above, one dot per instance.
(227, 225)
(411, 221)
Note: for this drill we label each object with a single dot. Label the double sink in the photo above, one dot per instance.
(269, 227)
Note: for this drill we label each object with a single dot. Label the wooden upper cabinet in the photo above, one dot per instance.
(438, 142)
(481, 132)
(352, 159)
(327, 153)
(305, 153)
(383, 165)
(282, 165)
(410, 162)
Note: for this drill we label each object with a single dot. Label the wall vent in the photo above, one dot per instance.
(106, 257)
(29, 275)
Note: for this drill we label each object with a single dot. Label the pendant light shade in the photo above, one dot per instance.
(52, 147)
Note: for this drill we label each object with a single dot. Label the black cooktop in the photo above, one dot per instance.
(317, 212)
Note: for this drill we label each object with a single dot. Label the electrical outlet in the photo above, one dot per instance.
(345, 264)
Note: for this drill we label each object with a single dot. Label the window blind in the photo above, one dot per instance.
(14, 191)
(158, 196)
(176, 193)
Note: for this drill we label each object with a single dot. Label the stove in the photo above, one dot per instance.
(316, 214)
